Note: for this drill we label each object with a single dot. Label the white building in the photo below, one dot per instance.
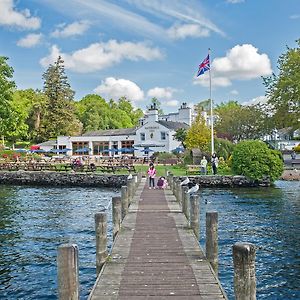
(155, 134)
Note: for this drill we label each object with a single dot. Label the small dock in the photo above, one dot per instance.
(156, 255)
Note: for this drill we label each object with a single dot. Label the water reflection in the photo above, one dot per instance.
(269, 218)
(33, 222)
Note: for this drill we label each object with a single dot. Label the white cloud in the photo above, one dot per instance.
(98, 56)
(257, 100)
(116, 88)
(172, 103)
(30, 40)
(242, 62)
(21, 19)
(235, 1)
(234, 92)
(188, 30)
(294, 17)
(76, 28)
(159, 92)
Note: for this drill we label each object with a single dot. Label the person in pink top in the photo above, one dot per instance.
(151, 174)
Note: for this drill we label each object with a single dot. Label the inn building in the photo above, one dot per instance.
(155, 133)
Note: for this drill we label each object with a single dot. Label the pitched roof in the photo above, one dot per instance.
(111, 132)
(48, 143)
(173, 125)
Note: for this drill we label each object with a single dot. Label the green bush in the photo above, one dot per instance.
(256, 161)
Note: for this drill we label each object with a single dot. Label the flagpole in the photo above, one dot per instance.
(211, 108)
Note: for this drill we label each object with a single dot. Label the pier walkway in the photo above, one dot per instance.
(155, 255)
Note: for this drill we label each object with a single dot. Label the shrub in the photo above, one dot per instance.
(256, 161)
(297, 148)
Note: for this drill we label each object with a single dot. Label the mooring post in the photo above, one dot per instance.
(116, 215)
(135, 180)
(129, 190)
(194, 215)
(244, 271)
(124, 201)
(179, 193)
(176, 192)
(183, 197)
(171, 177)
(212, 239)
(67, 264)
(101, 240)
(186, 210)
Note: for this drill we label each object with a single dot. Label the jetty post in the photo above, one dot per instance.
(194, 215)
(244, 271)
(212, 239)
(68, 279)
(124, 201)
(101, 240)
(116, 215)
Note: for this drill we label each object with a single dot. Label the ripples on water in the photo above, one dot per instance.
(267, 217)
(34, 221)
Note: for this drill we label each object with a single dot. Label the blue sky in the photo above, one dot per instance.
(150, 48)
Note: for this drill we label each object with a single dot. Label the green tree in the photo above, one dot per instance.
(134, 114)
(7, 87)
(283, 90)
(237, 122)
(59, 118)
(202, 106)
(180, 136)
(198, 135)
(256, 161)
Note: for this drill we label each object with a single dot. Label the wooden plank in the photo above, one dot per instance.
(156, 255)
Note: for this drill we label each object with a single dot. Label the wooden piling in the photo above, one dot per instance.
(212, 239)
(116, 215)
(124, 201)
(183, 197)
(194, 215)
(186, 204)
(67, 264)
(101, 240)
(244, 271)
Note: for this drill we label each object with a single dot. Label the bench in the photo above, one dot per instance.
(193, 169)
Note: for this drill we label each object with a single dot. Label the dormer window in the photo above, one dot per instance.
(142, 136)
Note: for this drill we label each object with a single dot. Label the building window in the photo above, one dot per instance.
(100, 148)
(127, 144)
(163, 136)
(80, 148)
(143, 137)
(151, 135)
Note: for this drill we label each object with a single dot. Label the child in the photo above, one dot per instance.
(160, 182)
(151, 173)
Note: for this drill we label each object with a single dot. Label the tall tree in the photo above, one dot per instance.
(59, 118)
(180, 136)
(236, 122)
(198, 135)
(7, 87)
(283, 90)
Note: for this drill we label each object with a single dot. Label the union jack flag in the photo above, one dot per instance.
(204, 66)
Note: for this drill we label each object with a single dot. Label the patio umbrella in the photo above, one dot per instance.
(127, 150)
(21, 150)
(82, 150)
(39, 151)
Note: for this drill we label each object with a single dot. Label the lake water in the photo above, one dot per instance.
(35, 220)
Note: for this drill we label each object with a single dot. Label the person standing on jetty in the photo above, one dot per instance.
(203, 166)
(214, 163)
(151, 174)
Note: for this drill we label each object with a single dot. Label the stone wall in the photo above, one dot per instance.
(61, 179)
(225, 181)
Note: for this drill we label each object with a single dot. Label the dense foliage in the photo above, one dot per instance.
(7, 87)
(283, 90)
(198, 135)
(237, 122)
(256, 161)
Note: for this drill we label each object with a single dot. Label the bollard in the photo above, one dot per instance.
(171, 178)
(179, 193)
(124, 201)
(116, 215)
(129, 191)
(183, 197)
(244, 271)
(101, 240)
(194, 215)
(67, 264)
(212, 239)
(135, 180)
(186, 207)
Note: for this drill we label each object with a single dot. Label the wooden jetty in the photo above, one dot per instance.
(156, 255)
